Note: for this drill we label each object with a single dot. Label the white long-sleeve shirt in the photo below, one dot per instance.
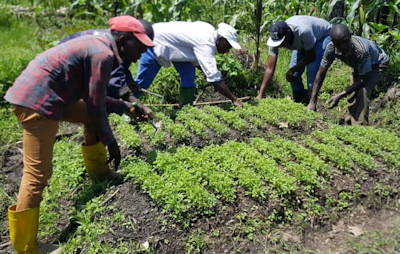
(194, 42)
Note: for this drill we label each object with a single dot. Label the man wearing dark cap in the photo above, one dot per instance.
(68, 83)
(368, 61)
(307, 37)
(187, 45)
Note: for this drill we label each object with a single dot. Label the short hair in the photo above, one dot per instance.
(148, 28)
(119, 34)
(340, 31)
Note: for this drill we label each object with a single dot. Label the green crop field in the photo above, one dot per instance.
(271, 177)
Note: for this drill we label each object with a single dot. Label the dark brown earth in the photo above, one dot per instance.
(371, 212)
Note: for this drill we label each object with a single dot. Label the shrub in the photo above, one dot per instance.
(240, 80)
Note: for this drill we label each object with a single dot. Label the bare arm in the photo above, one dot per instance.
(357, 84)
(308, 58)
(221, 87)
(319, 80)
(268, 74)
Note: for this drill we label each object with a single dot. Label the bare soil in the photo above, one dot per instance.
(371, 212)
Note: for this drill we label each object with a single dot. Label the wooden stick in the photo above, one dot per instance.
(197, 104)
(110, 197)
(5, 244)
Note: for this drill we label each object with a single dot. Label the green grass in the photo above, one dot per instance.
(93, 225)
(27, 3)
(68, 173)
(292, 173)
(388, 117)
(11, 130)
(18, 48)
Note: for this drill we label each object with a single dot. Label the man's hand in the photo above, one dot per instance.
(312, 106)
(141, 112)
(259, 97)
(114, 154)
(137, 111)
(333, 101)
(289, 75)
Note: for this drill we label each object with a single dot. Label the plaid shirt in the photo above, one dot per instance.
(119, 76)
(66, 73)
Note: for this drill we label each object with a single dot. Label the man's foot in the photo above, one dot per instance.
(312, 106)
(116, 178)
(237, 103)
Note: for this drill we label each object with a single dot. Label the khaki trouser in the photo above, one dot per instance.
(358, 101)
(38, 141)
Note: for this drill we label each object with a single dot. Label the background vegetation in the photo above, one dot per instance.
(297, 162)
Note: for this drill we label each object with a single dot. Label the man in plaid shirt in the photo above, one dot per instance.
(121, 83)
(68, 83)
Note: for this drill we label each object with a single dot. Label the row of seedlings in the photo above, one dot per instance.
(338, 153)
(231, 118)
(209, 120)
(189, 120)
(302, 163)
(126, 131)
(275, 111)
(377, 142)
(172, 186)
(175, 131)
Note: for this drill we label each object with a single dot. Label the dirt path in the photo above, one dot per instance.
(364, 231)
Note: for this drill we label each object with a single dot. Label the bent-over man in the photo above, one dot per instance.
(68, 83)
(187, 45)
(368, 61)
(307, 37)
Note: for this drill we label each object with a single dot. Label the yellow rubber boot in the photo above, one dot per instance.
(23, 229)
(95, 160)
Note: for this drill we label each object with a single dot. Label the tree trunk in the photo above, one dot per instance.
(384, 14)
(116, 6)
(337, 11)
(258, 34)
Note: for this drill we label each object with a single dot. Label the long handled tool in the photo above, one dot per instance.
(135, 88)
(203, 90)
(155, 94)
(156, 125)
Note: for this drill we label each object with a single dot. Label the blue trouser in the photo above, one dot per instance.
(312, 68)
(149, 67)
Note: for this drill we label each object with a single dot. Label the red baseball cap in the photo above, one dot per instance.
(130, 24)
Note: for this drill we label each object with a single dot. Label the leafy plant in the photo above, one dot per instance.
(157, 137)
(354, 135)
(361, 17)
(232, 118)
(209, 120)
(126, 132)
(174, 130)
(194, 125)
(196, 242)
